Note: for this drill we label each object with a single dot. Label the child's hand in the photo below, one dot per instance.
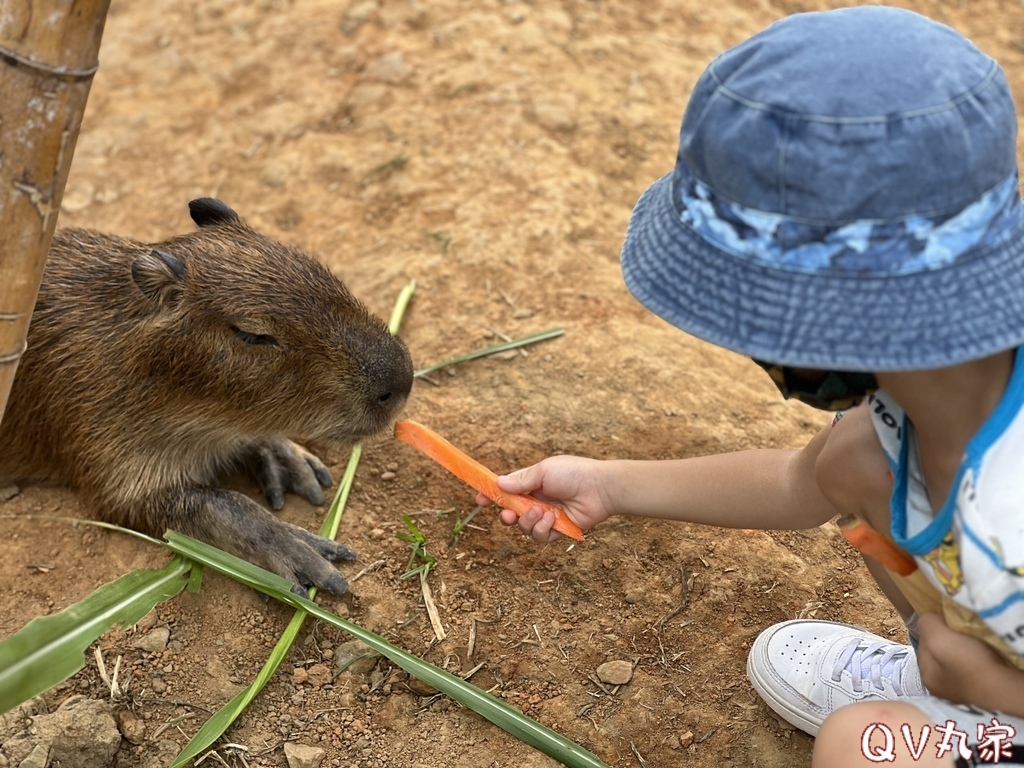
(965, 670)
(569, 481)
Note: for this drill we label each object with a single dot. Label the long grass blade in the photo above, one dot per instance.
(498, 712)
(503, 347)
(50, 649)
(222, 719)
(401, 304)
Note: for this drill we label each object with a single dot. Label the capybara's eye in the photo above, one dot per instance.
(260, 339)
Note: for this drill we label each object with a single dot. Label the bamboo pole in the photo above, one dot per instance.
(48, 55)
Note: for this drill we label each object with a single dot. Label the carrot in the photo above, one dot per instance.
(477, 475)
(869, 542)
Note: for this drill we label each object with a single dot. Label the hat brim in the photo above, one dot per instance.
(930, 319)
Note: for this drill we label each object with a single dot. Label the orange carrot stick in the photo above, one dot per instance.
(869, 542)
(477, 475)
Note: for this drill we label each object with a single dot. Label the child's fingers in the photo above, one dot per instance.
(483, 501)
(540, 525)
(536, 523)
(522, 480)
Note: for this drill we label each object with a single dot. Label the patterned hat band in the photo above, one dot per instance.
(868, 248)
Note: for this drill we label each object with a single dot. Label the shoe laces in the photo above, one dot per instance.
(873, 663)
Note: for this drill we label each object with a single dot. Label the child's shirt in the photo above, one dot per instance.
(973, 549)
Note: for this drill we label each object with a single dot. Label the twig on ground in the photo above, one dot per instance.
(371, 567)
(428, 601)
(684, 594)
(639, 757)
(596, 681)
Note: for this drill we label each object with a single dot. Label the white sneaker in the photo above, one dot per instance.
(806, 669)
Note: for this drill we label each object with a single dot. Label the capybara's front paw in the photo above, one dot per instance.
(236, 523)
(280, 465)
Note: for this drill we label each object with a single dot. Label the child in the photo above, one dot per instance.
(845, 211)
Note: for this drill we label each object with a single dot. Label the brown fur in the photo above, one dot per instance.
(142, 384)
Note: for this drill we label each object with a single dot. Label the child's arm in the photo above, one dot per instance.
(766, 489)
(965, 670)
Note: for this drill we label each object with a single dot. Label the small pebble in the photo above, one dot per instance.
(301, 756)
(131, 726)
(420, 688)
(153, 641)
(319, 675)
(615, 672)
(389, 475)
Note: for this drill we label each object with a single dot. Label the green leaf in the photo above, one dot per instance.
(50, 649)
(504, 347)
(498, 712)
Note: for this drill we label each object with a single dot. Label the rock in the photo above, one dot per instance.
(391, 68)
(8, 492)
(686, 739)
(132, 726)
(77, 198)
(420, 688)
(37, 758)
(615, 672)
(153, 641)
(80, 734)
(556, 113)
(301, 756)
(355, 658)
(319, 675)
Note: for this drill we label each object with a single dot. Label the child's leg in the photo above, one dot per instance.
(806, 670)
(840, 742)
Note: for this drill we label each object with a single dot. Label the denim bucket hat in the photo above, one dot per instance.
(845, 197)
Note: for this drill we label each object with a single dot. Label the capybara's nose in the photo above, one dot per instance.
(389, 374)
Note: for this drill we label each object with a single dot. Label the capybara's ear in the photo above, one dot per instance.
(208, 212)
(160, 276)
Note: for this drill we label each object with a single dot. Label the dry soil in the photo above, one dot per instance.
(492, 151)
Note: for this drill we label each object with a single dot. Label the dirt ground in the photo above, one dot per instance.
(492, 151)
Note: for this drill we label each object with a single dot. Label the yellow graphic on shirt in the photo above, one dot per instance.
(945, 563)
(1015, 570)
